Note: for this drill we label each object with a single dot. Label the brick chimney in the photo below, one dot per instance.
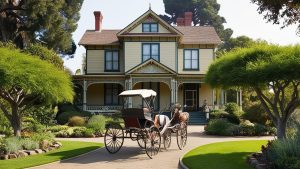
(98, 20)
(188, 18)
(180, 21)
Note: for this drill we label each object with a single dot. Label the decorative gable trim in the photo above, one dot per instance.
(145, 16)
(151, 66)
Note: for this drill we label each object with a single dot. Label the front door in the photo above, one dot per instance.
(191, 97)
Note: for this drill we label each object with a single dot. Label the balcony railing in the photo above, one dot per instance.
(102, 108)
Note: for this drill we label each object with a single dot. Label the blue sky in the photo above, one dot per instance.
(241, 16)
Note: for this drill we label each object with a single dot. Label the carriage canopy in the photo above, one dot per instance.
(144, 93)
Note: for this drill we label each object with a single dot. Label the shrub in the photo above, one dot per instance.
(31, 125)
(12, 145)
(76, 121)
(259, 129)
(221, 114)
(39, 137)
(57, 128)
(220, 127)
(97, 123)
(247, 128)
(256, 114)
(89, 133)
(29, 144)
(64, 117)
(79, 131)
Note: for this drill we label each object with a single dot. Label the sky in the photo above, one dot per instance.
(241, 16)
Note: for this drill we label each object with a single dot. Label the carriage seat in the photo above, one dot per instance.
(135, 117)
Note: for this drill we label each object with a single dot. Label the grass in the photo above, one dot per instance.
(68, 150)
(225, 155)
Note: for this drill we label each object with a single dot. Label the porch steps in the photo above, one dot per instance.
(197, 118)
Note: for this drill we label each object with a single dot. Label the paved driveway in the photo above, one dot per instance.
(132, 157)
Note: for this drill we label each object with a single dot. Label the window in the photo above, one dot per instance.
(191, 59)
(111, 61)
(150, 50)
(150, 27)
(111, 94)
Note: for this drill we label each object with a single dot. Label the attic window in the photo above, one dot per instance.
(150, 27)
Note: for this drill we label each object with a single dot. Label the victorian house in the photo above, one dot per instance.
(149, 53)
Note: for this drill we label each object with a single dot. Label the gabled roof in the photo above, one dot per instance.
(199, 35)
(161, 68)
(139, 20)
(105, 37)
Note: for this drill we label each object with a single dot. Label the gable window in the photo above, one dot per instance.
(112, 94)
(111, 61)
(150, 27)
(150, 50)
(191, 59)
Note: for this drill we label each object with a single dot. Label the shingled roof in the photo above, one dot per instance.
(105, 37)
(191, 35)
(199, 35)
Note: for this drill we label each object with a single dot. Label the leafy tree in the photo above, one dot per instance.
(285, 11)
(238, 42)
(271, 71)
(26, 81)
(50, 22)
(205, 12)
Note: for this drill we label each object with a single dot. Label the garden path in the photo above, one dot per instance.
(131, 156)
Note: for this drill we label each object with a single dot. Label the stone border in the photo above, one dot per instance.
(181, 164)
(65, 159)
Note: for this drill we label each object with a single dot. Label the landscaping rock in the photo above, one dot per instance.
(261, 166)
(12, 156)
(22, 154)
(253, 162)
(56, 146)
(39, 151)
(44, 144)
(59, 143)
(46, 150)
(51, 148)
(4, 157)
(30, 152)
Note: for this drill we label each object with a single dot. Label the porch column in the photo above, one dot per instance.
(225, 96)
(173, 91)
(84, 95)
(128, 86)
(222, 97)
(213, 98)
(241, 99)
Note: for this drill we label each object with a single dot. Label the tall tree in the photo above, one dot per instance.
(28, 81)
(271, 71)
(50, 22)
(205, 12)
(285, 12)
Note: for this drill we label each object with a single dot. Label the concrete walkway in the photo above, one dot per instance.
(131, 156)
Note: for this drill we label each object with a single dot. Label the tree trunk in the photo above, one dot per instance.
(281, 129)
(16, 121)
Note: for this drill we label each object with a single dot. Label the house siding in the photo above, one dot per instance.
(133, 54)
(96, 61)
(205, 59)
(165, 96)
(95, 94)
(139, 29)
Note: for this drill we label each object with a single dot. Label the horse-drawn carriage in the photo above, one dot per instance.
(139, 125)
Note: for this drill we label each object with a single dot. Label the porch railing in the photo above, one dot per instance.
(103, 109)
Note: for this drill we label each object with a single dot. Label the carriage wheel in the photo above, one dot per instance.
(141, 139)
(167, 139)
(114, 138)
(181, 135)
(152, 141)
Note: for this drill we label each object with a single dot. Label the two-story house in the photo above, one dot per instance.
(149, 53)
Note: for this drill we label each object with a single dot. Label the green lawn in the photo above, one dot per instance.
(224, 155)
(69, 149)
